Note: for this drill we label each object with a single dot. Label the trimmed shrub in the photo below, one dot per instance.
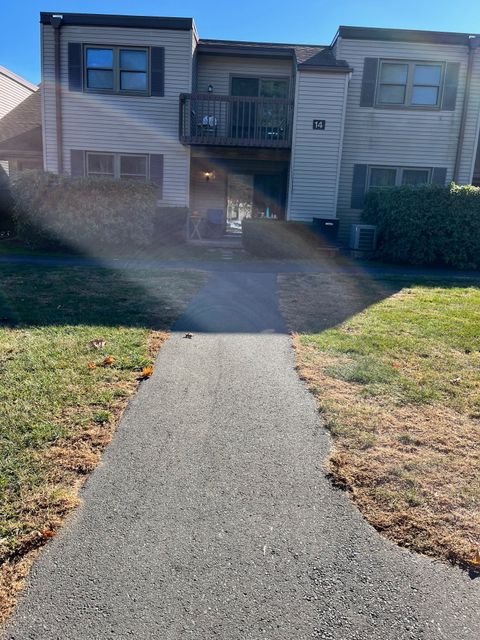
(426, 225)
(267, 238)
(6, 204)
(171, 225)
(83, 213)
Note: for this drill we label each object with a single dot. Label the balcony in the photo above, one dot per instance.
(235, 121)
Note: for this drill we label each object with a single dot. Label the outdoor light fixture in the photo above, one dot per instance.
(209, 175)
(210, 88)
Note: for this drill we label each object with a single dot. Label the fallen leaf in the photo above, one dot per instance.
(455, 380)
(108, 360)
(395, 365)
(475, 561)
(99, 343)
(47, 533)
(91, 365)
(188, 335)
(146, 372)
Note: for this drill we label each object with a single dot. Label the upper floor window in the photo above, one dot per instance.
(416, 84)
(260, 87)
(116, 69)
(398, 176)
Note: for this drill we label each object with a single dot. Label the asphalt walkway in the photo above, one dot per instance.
(211, 517)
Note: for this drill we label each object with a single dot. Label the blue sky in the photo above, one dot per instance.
(308, 21)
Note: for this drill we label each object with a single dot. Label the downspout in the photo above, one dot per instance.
(56, 22)
(473, 43)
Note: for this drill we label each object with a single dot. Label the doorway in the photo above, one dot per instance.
(240, 187)
(251, 119)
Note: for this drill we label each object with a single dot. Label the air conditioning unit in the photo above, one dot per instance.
(363, 237)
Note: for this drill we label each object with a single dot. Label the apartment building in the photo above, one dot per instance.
(290, 131)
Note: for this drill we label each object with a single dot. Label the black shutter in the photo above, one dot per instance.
(439, 175)
(369, 82)
(450, 87)
(156, 173)
(359, 185)
(157, 66)
(77, 163)
(75, 66)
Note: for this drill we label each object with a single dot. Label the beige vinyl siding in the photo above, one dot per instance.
(397, 137)
(49, 113)
(11, 93)
(208, 195)
(217, 71)
(316, 154)
(120, 123)
(467, 159)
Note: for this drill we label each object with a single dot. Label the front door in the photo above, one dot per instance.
(244, 112)
(239, 199)
(270, 195)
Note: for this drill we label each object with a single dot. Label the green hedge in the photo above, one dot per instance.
(267, 238)
(426, 225)
(6, 204)
(171, 225)
(88, 213)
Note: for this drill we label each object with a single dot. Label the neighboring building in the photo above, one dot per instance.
(293, 130)
(21, 135)
(13, 91)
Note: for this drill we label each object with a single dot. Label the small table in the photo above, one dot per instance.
(196, 220)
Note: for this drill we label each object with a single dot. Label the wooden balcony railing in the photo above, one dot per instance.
(235, 121)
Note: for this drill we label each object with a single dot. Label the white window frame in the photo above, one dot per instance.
(409, 85)
(398, 176)
(116, 70)
(117, 175)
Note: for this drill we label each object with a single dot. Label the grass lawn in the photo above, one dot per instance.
(59, 401)
(394, 365)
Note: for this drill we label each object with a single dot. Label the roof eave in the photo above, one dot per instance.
(124, 21)
(248, 52)
(327, 68)
(401, 35)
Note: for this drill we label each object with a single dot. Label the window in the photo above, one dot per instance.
(116, 69)
(414, 84)
(99, 66)
(133, 70)
(426, 84)
(260, 87)
(397, 176)
(133, 168)
(119, 166)
(415, 176)
(382, 177)
(100, 164)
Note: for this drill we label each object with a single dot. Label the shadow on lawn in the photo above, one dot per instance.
(312, 303)
(242, 300)
(64, 295)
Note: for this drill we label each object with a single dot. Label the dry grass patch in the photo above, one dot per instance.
(395, 369)
(57, 410)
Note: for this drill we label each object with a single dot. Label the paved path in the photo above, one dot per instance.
(253, 265)
(210, 516)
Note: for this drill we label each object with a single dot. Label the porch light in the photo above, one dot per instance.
(210, 88)
(209, 175)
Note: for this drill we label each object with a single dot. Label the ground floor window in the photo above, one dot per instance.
(398, 176)
(119, 166)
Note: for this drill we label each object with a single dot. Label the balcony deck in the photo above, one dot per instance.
(234, 121)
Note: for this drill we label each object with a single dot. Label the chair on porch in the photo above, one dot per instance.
(215, 227)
